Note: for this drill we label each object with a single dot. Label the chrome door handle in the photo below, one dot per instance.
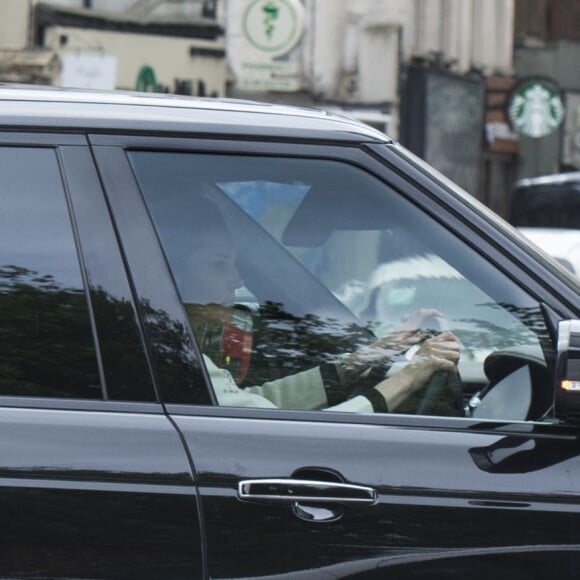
(304, 490)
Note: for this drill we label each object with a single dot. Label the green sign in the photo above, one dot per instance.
(146, 80)
(535, 107)
(273, 26)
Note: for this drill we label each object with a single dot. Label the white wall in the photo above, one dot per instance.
(350, 50)
(378, 64)
(168, 56)
(326, 22)
(473, 33)
(14, 23)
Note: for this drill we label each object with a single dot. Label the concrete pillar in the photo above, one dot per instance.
(492, 34)
(505, 13)
(326, 26)
(456, 35)
(428, 30)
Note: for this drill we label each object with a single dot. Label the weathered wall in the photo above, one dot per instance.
(14, 23)
(169, 56)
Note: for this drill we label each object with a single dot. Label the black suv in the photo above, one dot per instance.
(211, 314)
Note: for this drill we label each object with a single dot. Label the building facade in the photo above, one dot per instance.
(435, 74)
(176, 47)
(367, 58)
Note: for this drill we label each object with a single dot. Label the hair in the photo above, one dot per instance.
(185, 227)
(187, 234)
(204, 215)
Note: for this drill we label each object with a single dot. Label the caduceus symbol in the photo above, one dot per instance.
(270, 11)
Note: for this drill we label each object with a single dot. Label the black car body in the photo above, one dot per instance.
(117, 458)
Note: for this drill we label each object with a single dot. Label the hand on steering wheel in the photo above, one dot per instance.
(411, 332)
(444, 345)
(434, 386)
(445, 383)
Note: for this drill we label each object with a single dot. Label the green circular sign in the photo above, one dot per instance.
(273, 26)
(535, 107)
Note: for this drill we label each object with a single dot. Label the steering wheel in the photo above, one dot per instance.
(443, 392)
(519, 387)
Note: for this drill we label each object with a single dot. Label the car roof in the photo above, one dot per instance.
(37, 106)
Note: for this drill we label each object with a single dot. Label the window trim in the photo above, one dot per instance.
(92, 222)
(139, 243)
(58, 403)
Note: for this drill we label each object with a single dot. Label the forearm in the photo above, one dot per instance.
(395, 390)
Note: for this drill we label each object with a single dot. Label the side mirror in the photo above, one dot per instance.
(567, 380)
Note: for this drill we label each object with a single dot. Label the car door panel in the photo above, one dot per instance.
(108, 493)
(439, 507)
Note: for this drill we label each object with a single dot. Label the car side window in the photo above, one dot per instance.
(46, 342)
(310, 284)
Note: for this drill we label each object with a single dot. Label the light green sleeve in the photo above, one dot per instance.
(303, 390)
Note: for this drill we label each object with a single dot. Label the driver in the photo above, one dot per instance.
(207, 278)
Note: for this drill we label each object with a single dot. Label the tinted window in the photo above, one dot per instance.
(319, 259)
(46, 344)
(547, 206)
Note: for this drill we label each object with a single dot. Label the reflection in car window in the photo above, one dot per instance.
(310, 284)
(46, 344)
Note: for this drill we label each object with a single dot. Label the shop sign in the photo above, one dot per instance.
(273, 26)
(535, 107)
(88, 71)
(269, 76)
(261, 37)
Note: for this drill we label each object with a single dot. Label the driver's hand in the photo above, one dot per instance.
(394, 343)
(444, 346)
(379, 352)
(382, 350)
(397, 388)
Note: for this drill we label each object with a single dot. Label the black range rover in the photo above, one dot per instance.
(219, 356)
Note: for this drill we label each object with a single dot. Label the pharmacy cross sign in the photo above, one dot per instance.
(535, 107)
(273, 26)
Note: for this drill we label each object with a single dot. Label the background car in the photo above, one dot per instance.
(547, 211)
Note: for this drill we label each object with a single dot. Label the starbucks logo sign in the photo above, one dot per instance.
(535, 108)
(273, 26)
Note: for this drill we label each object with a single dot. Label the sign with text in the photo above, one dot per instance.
(261, 36)
(88, 71)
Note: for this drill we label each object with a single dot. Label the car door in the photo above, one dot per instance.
(94, 480)
(300, 473)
